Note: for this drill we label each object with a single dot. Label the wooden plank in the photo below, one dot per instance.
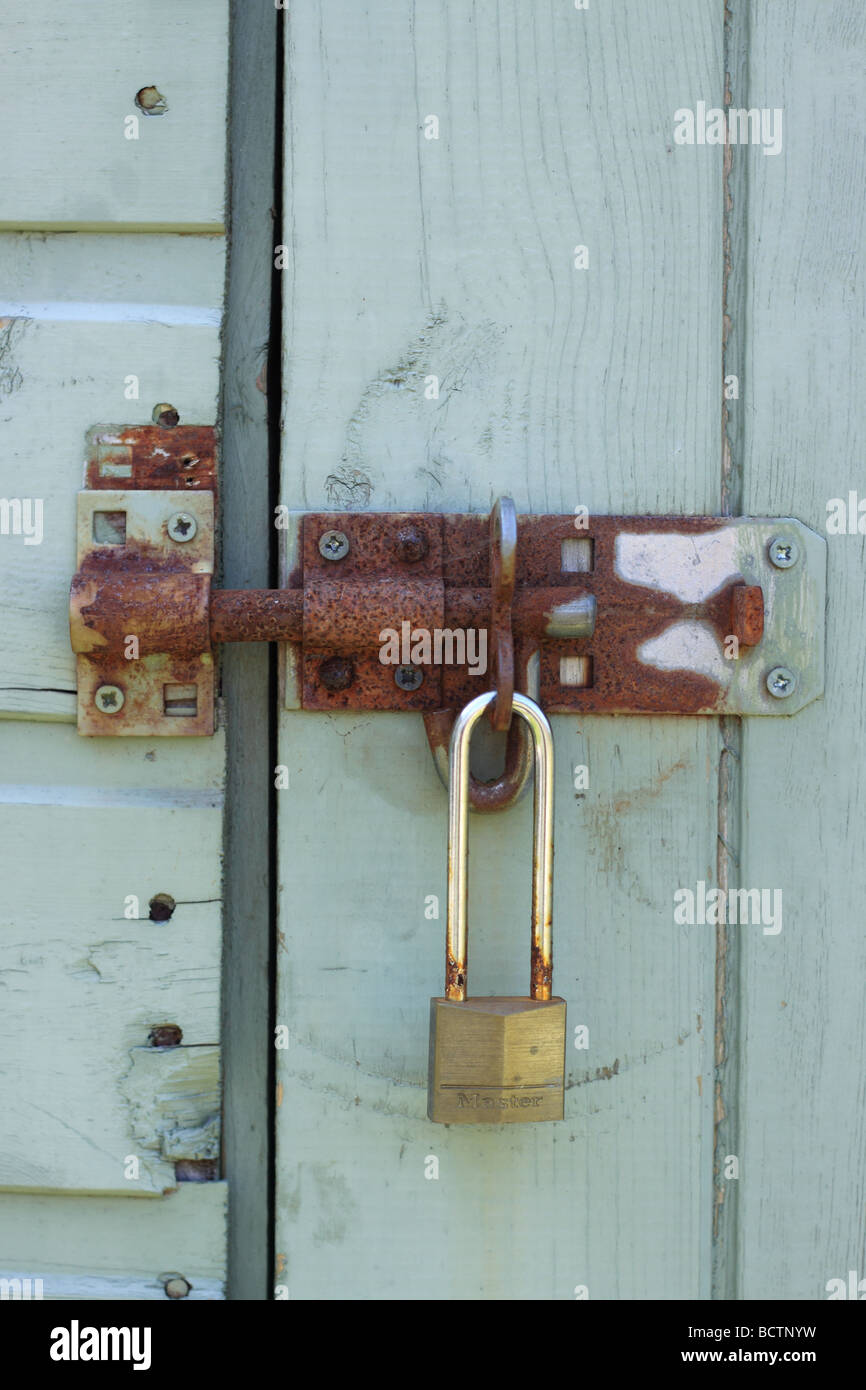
(97, 328)
(248, 670)
(107, 1248)
(95, 319)
(129, 820)
(69, 96)
(803, 1178)
(410, 258)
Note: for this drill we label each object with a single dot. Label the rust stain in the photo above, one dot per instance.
(455, 978)
(279, 1094)
(151, 456)
(196, 1170)
(166, 608)
(280, 1264)
(638, 798)
(747, 614)
(600, 1074)
(165, 1035)
(541, 973)
(256, 615)
(501, 792)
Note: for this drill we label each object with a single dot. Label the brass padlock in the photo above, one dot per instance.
(496, 1060)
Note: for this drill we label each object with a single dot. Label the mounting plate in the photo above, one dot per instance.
(663, 587)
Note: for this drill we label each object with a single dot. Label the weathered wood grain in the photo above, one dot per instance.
(83, 985)
(69, 88)
(803, 1119)
(248, 682)
(409, 258)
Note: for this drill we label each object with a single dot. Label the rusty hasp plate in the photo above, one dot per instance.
(614, 615)
(422, 611)
(178, 457)
(139, 612)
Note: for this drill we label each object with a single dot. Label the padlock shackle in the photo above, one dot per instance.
(541, 976)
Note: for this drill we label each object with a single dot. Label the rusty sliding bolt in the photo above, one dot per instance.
(178, 614)
(277, 615)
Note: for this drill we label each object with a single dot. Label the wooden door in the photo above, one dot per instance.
(507, 258)
(499, 200)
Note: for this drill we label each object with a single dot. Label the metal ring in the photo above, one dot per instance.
(501, 792)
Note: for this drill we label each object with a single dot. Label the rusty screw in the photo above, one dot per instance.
(411, 544)
(161, 907)
(334, 545)
(165, 1035)
(109, 699)
(182, 526)
(151, 101)
(408, 677)
(165, 415)
(781, 682)
(783, 552)
(176, 1286)
(337, 673)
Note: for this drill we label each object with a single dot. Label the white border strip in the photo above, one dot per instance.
(208, 799)
(71, 311)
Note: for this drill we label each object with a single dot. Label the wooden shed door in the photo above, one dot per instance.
(508, 270)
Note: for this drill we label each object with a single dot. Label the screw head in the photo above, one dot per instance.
(784, 552)
(182, 526)
(109, 699)
(781, 682)
(336, 673)
(334, 545)
(165, 415)
(408, 677)
(411, 544)
(176, 1286)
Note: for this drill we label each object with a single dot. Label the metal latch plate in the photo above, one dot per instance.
(664, 588)
(125, 535)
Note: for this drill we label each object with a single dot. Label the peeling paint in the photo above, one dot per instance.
(11, 332)
(691, 567)
(173, 1097)
(688, 646)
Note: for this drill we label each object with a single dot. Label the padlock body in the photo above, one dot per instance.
(496, 1060)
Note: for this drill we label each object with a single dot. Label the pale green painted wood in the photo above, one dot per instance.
(106, 1248)
(114, 817)
(89, 312)
(409, 258)
(70, 83)
(85, 823)
(803, 1121)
